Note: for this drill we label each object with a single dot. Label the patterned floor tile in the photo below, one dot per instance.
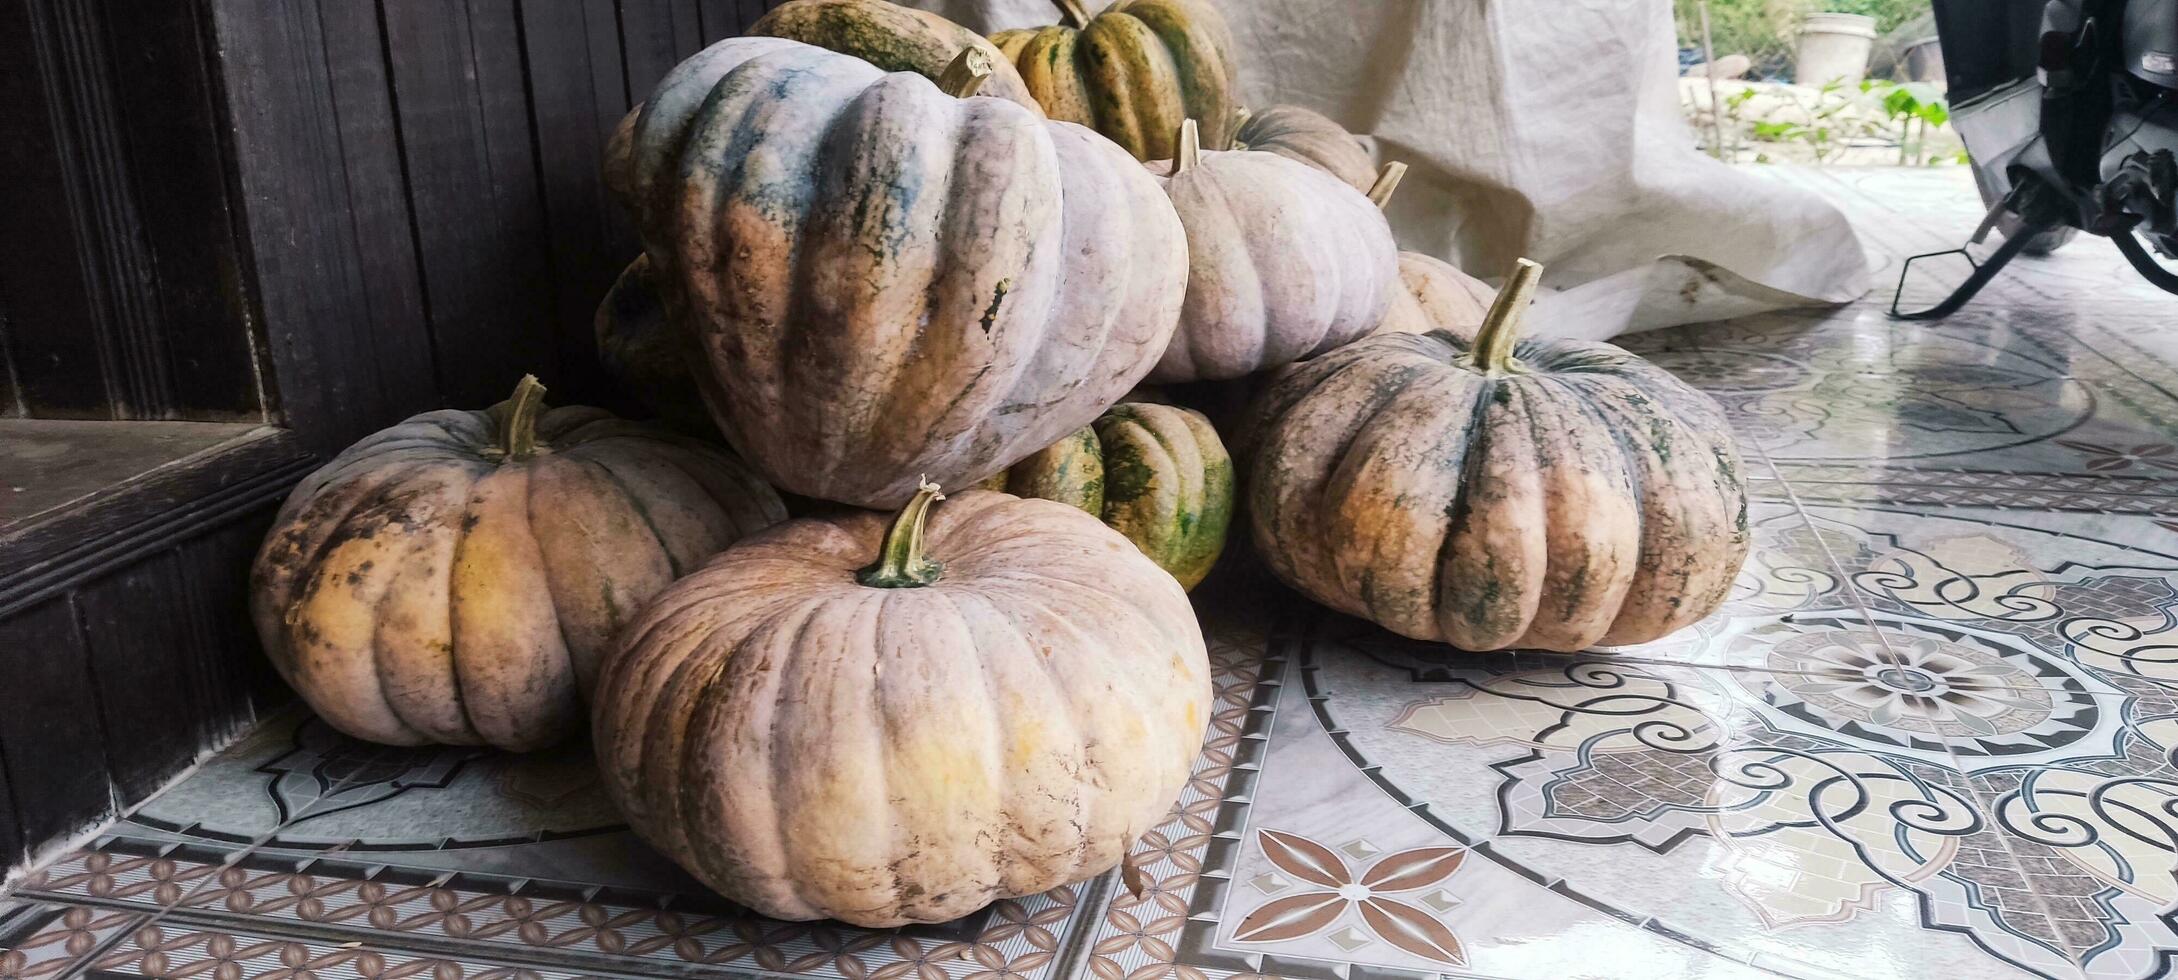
(1759, 818)
(1856, 404)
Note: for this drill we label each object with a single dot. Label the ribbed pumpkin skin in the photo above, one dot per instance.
(1434, 295)
(1306, 136)
(1285, 262)
(812, 747)
(1156, 473)
(887, 281)
(1587, 497)
(420, 588)
(892, 37)
(643, 353)
(1133, 72)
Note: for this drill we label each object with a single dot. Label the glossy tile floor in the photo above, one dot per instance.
(1931, 736)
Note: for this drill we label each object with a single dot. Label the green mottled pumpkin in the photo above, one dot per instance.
(1504, 493)
(890, 36)
(1133, 71)
(1156, 473)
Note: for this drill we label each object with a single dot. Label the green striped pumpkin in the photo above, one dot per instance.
(1132, 72)
(1155, 473)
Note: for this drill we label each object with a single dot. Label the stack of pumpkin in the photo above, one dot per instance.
(882, 254)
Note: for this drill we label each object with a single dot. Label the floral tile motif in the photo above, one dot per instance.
(167, 951)
(1373, 901)
(43, 939)
(1701, 801)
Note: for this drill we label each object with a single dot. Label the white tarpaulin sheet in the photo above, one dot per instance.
(1544, 128)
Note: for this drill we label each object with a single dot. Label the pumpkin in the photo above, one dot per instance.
(1284, 262)
(1133, 71)
(645, 355)
(1505, 493)
(887, 280)
(1156, 473)
(999, 704)
(892, 37)
(457, 577)
(1434, 295)
(1306, 136)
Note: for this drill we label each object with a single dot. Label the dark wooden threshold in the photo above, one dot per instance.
(153, 489)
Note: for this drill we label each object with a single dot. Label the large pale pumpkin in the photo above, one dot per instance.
(1284, 262)
(999, 704)
(1434, 295)
(1156, 473)
(457, 578)
(1133, 71)
(1307, 136)
(887, 280)
(1546, 494)
(892, 37)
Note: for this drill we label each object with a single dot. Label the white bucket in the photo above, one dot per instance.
(1834, 48)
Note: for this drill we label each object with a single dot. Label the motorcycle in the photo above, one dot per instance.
(2069, 112)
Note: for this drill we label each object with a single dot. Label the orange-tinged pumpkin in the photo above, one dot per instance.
(457, 577)
(1504, 493)
(1435, 295)
(999, 703)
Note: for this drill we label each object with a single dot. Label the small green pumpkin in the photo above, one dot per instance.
(1133, 71)
(1156, 473)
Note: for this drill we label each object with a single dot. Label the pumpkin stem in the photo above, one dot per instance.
(1380, 193)
(1501, 326)
(1187, 150)
(518, 423)
(966, 73)
(900, 563)
(1072, 15)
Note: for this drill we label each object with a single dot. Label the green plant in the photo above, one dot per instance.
(1829, 123)
(1914, 108)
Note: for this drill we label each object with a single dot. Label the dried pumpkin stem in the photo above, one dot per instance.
(966, 72)
(518, 426)
(1501, 326)
(1187, 150)
(1072, 15)
(900, 562)
(1387, 183)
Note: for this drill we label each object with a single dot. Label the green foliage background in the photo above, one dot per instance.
(1763, 29)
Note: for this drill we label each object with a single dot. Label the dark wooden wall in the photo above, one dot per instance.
(120, 260)
(430, 170)
(382, 207)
